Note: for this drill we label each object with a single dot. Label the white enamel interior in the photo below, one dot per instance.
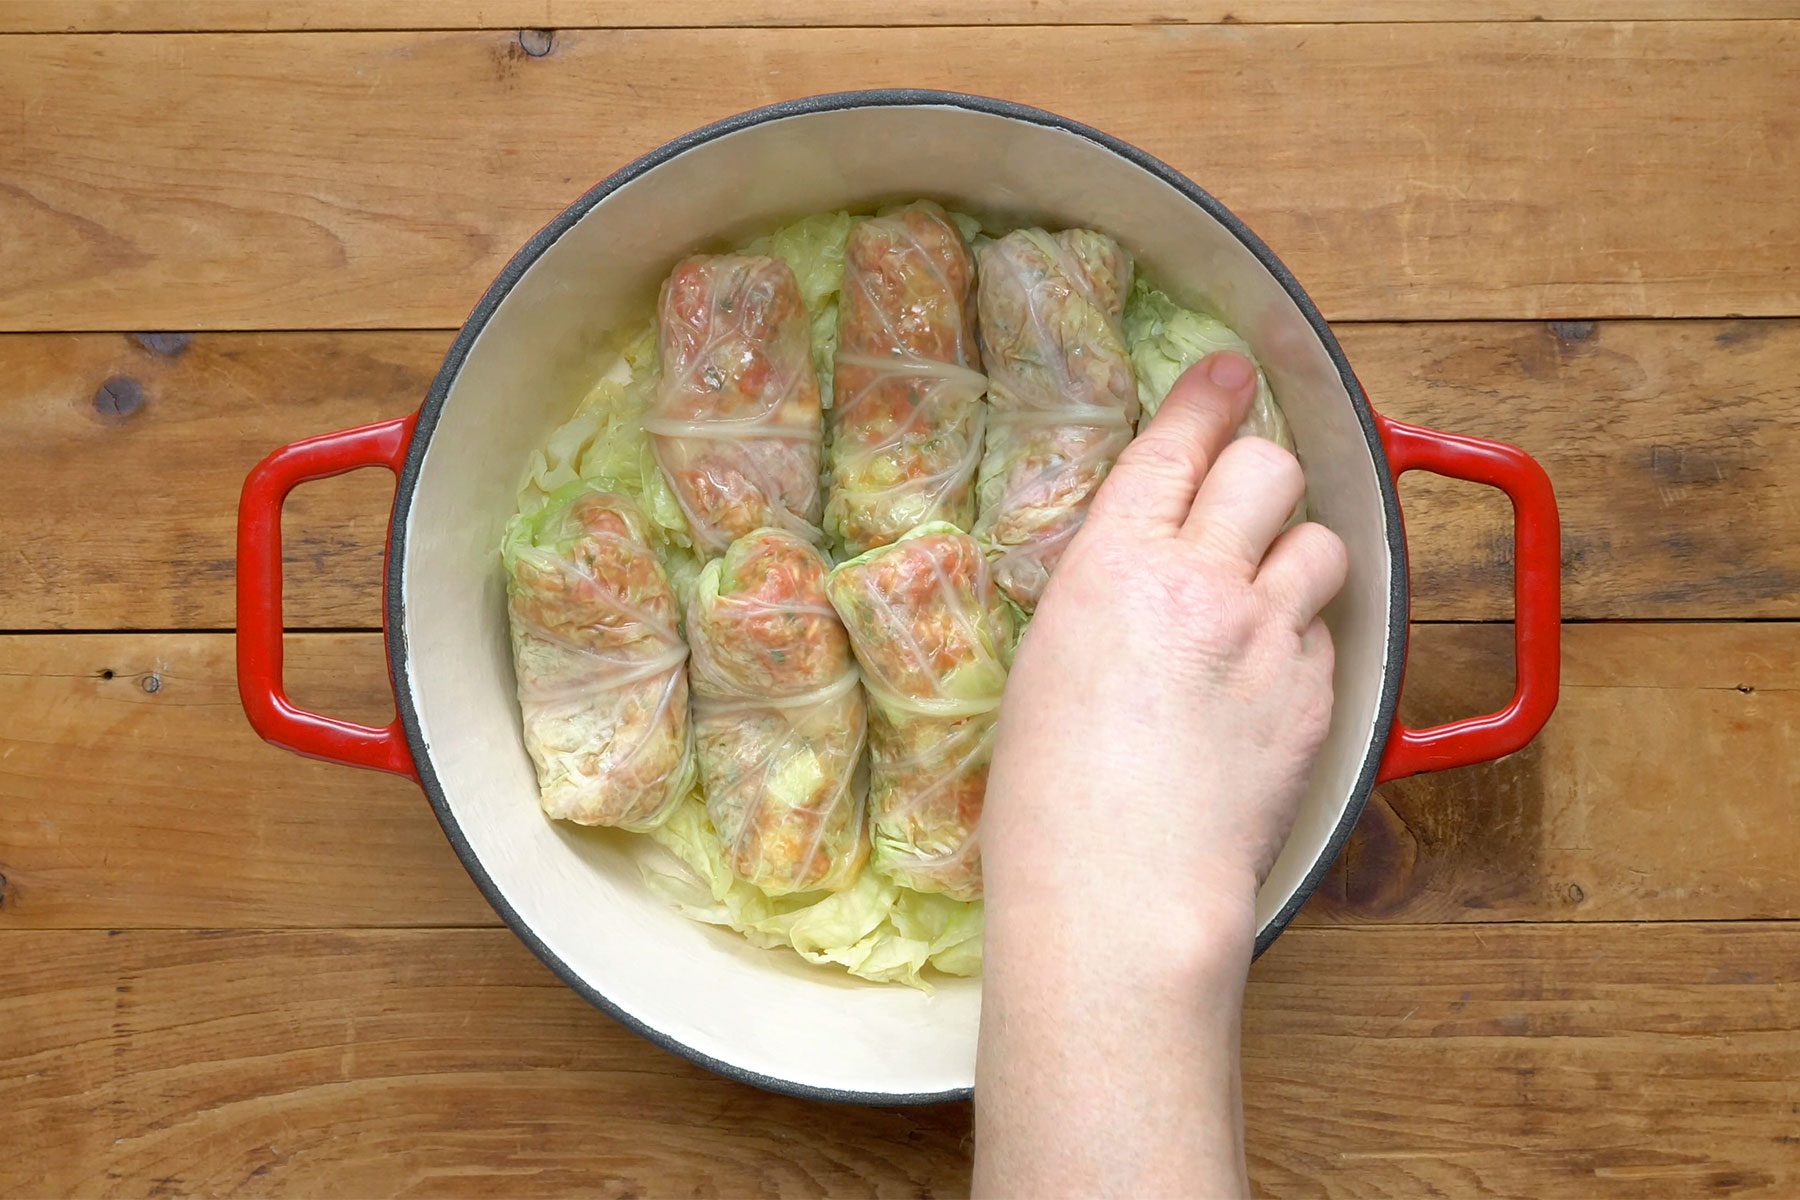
(579, 891)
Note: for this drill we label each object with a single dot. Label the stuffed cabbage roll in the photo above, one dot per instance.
(1167, 339)
(598, 660)
(933, 636)
(1062, 395)
(736, 425)
(779, 719)
(907, 415)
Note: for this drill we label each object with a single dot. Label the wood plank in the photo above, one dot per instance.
(371, 1064)
(154, 16)
(1674, 466)
(1532, 1061)
(1658, 792)
(139, 447)
(1663, 788)
(1672, 445)
(1468, 170)
(1543, 1061)
(136, 794)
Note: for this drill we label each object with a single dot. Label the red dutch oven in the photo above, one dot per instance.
(528, 353)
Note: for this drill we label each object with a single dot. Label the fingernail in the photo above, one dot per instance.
(1229, 370)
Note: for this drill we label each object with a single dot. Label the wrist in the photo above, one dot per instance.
(1122, 1028)
(1166, 945)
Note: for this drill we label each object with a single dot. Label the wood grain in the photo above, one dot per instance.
(125, 516)
(147, 16)
(1673, 445)
(1466, 170)
(1542, 1061)
(136, 794)
(1529, 1061)
(1662, 788)
(1660, 791)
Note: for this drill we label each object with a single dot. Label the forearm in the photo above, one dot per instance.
(1112, 1072)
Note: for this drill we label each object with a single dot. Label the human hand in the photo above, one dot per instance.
(1172, 692)
(1156, 735)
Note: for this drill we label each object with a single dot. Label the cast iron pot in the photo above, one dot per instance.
(528, 353)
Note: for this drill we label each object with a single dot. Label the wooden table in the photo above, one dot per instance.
(226, 224)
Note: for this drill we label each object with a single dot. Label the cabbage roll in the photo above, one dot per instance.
(1167, 339)
(736, 425)
(1062, 396)
(598, 659)
(907, 415)
(779, 719)
(934, 637)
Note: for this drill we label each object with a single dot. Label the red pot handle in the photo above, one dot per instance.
(259, 626)
(1537, 599)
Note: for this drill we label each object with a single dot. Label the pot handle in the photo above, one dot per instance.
(1537, 599)
(259, 626)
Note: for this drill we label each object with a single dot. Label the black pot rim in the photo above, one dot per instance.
(395, 608)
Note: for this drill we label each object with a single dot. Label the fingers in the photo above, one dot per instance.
(1153, 486)
(1245, 500)
(1315, 640)
(1303, 570)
